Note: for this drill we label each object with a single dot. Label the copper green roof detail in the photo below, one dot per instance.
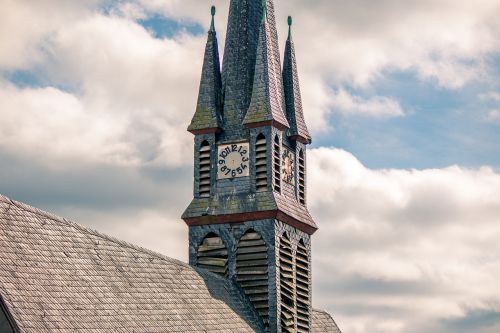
(209, 106)
(293, 99)
(267, 102)
(290, 21)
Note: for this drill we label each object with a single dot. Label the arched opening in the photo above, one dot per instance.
(302, 178)
(205, 169)
(261, 163)
(212, 255)
(303, 292)
(287, 286)
(252, 271)
(277, 164)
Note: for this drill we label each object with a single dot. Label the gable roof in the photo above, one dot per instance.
(56, 275)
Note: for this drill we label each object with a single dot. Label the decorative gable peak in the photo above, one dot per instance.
(207, 118)
(298, 128)
(267, 105)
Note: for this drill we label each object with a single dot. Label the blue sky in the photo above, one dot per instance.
(402, 99)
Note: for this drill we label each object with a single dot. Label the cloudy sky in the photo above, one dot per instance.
(402, 98)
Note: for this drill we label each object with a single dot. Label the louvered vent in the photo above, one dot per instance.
(303, 297)
(277, 164)
(261, 163)
(205, 168)
(252, 269)
(212, 255)
(302, 178)
(287, 289)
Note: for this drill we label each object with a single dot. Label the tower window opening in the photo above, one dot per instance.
(287, 285)
(303, 290)
(277, 164)
(252, 271)
(212, 255)
(261, 163)
(302, 178)
(205, 169)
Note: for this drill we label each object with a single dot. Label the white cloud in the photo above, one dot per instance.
(377, 106)
(403, 249)
(491, 96)
(131, 104)
(25, 26)
(493, 116)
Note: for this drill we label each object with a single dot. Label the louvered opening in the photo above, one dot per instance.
(277, 164)
(303, 298)
(287, 286)
(302, 178)
(261, 163)
(205, 169)
(212, 255)
(252, 271)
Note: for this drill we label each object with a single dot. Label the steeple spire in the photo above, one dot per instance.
(239, 60)
(267, 103)
(298, 129)
(207, 118)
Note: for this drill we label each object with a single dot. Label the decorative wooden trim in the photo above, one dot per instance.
(301, 139)
(272, 123)
(251, 216)
(205, 131)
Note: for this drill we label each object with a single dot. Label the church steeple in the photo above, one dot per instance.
(248, 220)
(298, 128)
(267, 105)
(207, 117)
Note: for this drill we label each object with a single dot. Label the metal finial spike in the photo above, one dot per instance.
(212, 25)
(290, 21)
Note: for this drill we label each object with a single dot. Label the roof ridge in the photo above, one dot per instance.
(89, 230)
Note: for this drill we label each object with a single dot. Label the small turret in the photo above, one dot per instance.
(207, 118)
(298, 128)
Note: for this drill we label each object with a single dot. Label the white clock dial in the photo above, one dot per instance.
(233, 161)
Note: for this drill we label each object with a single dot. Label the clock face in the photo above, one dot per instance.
(233, 161)
(288, 166)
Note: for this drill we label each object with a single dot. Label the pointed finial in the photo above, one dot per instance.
(264, 11)
(212, 26)
(290, 21)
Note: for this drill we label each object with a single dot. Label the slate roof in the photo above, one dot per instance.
(322, 322)
(293, 98)
(239, 60)
(209, 106)
(57, 276)
(223, 205)
(268, 102)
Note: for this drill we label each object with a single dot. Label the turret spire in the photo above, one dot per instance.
(298, 129)
(267, 104)
(212, 25)
(207, 117)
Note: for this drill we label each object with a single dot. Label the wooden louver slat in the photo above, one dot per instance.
(261, 163)
(302, 177)
(212, 255)
(252, 271)
(302, 290)
(277, 164)
(205, 170)
(287, 285)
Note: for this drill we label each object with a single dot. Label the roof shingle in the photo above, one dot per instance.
(58, 276)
